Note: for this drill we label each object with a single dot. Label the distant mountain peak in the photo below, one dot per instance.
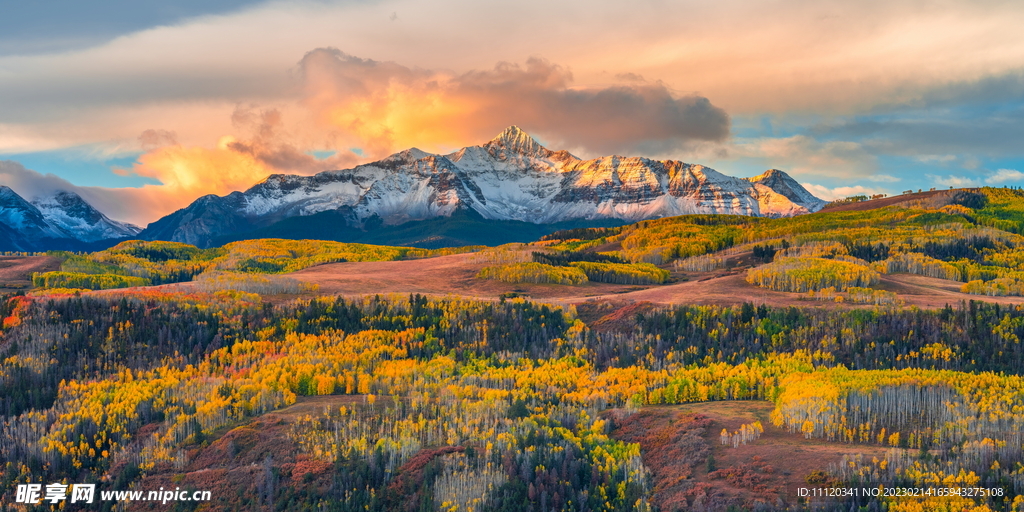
(784, 184)
(770, 173)
(72, 204)
(515, 140)
(407, 156)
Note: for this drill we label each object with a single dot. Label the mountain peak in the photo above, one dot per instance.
(10, 199)
(407, 156)
(71, 204)
(73, 215)
(785, 184)
(769, 174)
(512, 133)
(514, 139)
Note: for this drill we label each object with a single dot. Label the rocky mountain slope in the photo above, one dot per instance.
(61, 221)
(511, 177)
(72, 215)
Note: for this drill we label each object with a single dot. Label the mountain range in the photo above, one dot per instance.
(60, 221)
(511, 178)
(509, 189)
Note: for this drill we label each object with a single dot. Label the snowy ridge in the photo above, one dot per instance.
(780, 183)
(511, 177)
(60, 220)
(79, 220)
(23, 218)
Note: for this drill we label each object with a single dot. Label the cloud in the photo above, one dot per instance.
(806, 156)
(791, 55)
(831, 194)
(383, 107)
(126, 204)
(155, 138)
(31, 184)
(700, 59)
(953, 181)
(630, 77)
(883, 178)
(827, 57)
(184, 173)
(387, 106)
(33, 27)
(937, 136)
(187, 172)
(942, 159)
(1005, 176)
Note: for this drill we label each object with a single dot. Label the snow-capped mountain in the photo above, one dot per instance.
(61, 221)
(79, 220)
(24, 223)
(511, 177)
(781, 183)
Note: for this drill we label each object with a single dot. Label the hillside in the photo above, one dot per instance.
(871, 204)
(420, 403)
(919, 255)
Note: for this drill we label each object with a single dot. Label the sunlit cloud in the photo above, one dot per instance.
(831, 194)
(826, 57)
(188, 172)
(953, 181)
(386, 106)
(1002, 176)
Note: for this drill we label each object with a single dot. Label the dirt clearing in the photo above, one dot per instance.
(16, 271)
(692, 469)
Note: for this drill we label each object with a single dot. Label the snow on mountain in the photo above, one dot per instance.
(24, 221)
(63, 220)
(780, 183)
(79, 220)
(511, 177)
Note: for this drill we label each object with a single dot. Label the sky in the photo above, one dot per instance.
(141, 109)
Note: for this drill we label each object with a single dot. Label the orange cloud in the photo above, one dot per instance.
(383, 107)
(186, 173)
(199, 169)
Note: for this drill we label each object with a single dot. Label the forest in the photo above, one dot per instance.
(254, 384)
(970, 236)
(95, 389)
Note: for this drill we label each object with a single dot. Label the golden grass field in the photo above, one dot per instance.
(456, 275)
